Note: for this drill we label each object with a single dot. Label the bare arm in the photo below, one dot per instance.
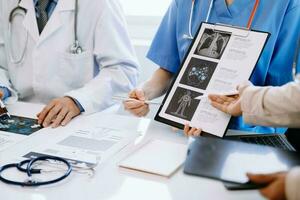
(157, 84)
(151, 89)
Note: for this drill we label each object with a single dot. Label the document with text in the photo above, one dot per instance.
(91, 146)
(220, 58)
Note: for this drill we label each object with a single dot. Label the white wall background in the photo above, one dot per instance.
(143, 17)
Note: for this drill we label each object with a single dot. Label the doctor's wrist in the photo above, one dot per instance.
(77, 103)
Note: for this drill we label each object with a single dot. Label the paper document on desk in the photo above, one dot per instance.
(157, 157)
(90, 145)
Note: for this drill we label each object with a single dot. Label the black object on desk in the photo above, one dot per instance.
(230, 160)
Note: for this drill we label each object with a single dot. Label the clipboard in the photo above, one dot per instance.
(179, 85)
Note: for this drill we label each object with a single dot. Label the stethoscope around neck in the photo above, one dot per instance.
(75, 48)
(189, 35)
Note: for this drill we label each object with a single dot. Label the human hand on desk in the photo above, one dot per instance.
(137, 107)
(58, 112)
(275, 184)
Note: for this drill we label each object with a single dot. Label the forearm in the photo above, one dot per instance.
(97, 94)
(5, 84)
(277, 106)
(157, 84)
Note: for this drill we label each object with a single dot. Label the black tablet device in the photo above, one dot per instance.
(230, 160)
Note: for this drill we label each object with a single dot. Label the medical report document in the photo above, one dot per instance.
(220, 58)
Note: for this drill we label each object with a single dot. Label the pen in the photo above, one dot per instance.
(4, 109)
(121, 98)
(223, 94)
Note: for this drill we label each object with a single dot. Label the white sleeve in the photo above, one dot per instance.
(116, 59)
(271, 106)
(292, 184)
(4, 77)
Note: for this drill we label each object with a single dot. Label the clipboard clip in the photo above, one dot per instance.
(243, 33)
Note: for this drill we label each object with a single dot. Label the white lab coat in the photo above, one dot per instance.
(107, 66)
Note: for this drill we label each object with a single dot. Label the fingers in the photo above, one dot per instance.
(68, 118)
(144, 112)
(58, 112)
(140, 95)
(137, 94)
(133, 104)
(42, 115)
(262, 178)
(191, 131)
(213, 97)
(60, 117)
(221, 98)
(140, 111)
(198, 132)
(186, 129)
(220, 106)
(137, 105)
(51, 115)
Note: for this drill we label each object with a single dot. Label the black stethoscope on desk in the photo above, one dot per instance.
(75, 48)
(30, 170)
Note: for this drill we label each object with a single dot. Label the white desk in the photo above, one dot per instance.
(110, 182)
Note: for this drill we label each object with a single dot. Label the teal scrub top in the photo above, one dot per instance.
(281, 18)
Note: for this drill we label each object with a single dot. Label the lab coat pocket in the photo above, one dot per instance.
(76, 69)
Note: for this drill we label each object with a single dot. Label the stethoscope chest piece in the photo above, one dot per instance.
(76, 48)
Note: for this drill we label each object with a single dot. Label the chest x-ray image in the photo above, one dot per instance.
(212, 44)
(183, 103)
(19, 125)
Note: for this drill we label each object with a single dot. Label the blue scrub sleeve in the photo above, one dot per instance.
(6, 92)
(285, 48)
(164, 50)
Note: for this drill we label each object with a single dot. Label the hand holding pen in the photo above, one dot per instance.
(137, 103)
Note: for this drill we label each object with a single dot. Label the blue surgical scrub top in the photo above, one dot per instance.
(281, 18)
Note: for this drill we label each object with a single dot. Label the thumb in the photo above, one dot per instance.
(140, 95)
(261, 178)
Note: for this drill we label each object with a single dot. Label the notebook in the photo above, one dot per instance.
(156, 157)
